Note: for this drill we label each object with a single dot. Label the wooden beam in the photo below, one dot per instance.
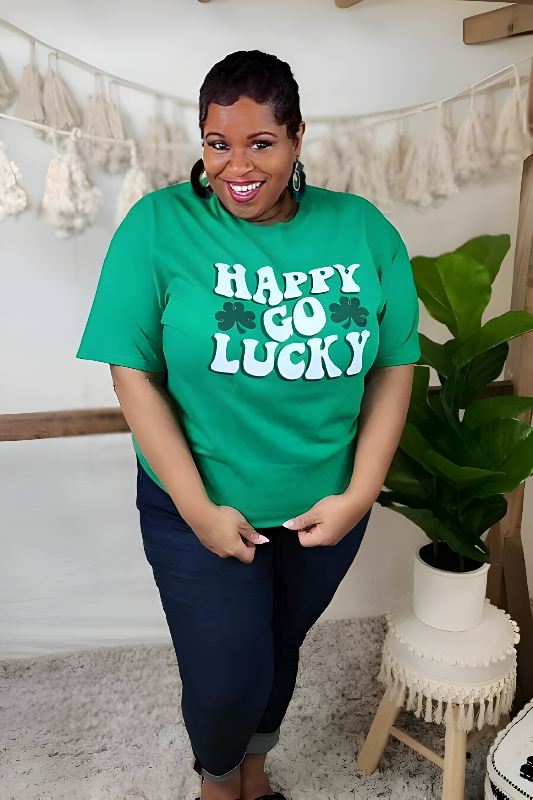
(500, 23)
(92, 421)
(506, 581)
(54, 424)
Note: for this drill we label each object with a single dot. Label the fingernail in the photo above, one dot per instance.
(261, 539)
(288, 524)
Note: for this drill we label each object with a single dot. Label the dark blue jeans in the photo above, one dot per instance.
(236, 628)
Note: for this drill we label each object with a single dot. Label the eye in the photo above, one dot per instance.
(220, 150)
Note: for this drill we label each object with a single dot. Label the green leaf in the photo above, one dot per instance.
(494, 332)
(465, 383)
(482, 514)
(435, 355)
(415, 445)
(489, 408)
(436, 530)
(488, 250)
(455, 288)
(506, 448)
(407, 477)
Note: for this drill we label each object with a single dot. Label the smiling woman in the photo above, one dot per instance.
(246, 272)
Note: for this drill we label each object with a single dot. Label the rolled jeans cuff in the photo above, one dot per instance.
(263, 742)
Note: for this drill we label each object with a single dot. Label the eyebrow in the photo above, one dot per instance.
(251, 136)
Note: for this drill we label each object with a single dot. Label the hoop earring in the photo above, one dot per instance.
(199, 181)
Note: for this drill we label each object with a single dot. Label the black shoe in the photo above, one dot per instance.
(275, 796)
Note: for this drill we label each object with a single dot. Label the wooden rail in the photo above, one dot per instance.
(92, 421)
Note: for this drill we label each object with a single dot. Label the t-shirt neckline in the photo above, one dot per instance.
(304, 208)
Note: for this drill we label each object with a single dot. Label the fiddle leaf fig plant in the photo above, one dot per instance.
(459, 453)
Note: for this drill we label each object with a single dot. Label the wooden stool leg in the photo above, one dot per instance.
(376, 739)
(454, 760)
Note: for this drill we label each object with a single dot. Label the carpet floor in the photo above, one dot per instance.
(106, 724)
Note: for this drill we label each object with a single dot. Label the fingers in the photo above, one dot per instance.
(252, 535)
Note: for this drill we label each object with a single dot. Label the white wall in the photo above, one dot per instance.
(74, 574)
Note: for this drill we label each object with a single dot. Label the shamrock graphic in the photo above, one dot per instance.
(234, 314)
(348, 308)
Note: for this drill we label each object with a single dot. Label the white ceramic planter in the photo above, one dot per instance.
(450, 601)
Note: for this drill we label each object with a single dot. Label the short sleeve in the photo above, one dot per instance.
(124, 323)
(398, 327)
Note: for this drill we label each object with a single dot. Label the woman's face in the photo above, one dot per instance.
(243, 145)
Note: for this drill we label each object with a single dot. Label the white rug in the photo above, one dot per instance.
(106, 723)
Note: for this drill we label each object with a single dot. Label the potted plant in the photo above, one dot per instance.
(459, 454)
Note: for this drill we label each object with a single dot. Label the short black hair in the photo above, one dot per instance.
(260, 76)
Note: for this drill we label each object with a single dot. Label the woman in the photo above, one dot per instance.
(261, 334)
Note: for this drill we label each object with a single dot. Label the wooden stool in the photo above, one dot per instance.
(466, 679)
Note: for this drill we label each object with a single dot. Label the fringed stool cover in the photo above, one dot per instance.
(428, 671)
(510, 760)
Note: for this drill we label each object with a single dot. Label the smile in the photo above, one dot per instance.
(242, 192)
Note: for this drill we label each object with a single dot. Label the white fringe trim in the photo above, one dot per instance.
(492, 700)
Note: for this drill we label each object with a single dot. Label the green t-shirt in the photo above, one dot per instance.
(266, 333)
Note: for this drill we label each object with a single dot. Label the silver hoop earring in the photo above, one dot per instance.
(296, 175)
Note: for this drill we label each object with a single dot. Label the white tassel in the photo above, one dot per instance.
(472, 154)
(418, 710)
(441, 181)
(29, 103)
(438, 712)
(69, 202)
(135, 185)
(448, 714)
(327, 165)
(354, 166)
(180, 155)
(470, 716)
(60, 109)
(154, 150)
(13, 196)
(410, 699)
(119, 157)
(377, 190)
(429, 709)
(481, 715)
(511, 142)
(401, 693)
(489, 716)
(394, 159)
(415, 175)
(8, 87)
(96, 123)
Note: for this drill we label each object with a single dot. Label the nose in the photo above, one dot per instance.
(240, 162)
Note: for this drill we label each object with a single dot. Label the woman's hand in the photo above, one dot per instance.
(329, 519)
(226, 532)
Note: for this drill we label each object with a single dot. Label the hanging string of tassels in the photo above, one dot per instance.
(411, 169)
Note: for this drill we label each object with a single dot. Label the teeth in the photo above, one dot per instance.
(244, 189)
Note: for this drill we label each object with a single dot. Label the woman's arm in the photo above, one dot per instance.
(382, 418)
(146, 406)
